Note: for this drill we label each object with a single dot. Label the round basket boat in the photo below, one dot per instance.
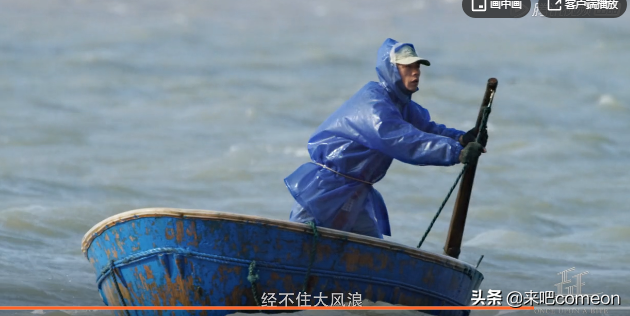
(175, 257)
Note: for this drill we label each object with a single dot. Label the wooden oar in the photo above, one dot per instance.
(460, 210)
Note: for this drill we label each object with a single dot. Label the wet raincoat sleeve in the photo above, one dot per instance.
(385, 130)
(421, 119)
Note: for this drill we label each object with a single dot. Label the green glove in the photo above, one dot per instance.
(471, 136)
(471, 152)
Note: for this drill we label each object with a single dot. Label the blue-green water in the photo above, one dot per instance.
(112, 106)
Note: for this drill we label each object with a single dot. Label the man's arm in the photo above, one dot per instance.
(386, 131)
(421, 119)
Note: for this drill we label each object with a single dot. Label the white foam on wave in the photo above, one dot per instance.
(608, 101)
(500, 238)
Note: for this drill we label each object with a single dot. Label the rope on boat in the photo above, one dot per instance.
(253, 277)
(311, 255)
(112, 267)
(479, 262)
(484, 122)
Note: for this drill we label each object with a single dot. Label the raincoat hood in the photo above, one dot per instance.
(388, 74)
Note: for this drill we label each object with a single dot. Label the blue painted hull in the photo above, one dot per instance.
(157, 257)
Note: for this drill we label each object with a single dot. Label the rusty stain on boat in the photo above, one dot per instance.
(192, 232)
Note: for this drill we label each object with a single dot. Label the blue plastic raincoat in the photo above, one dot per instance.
(357, 144)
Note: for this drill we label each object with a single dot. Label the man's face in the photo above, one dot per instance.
(410, 75)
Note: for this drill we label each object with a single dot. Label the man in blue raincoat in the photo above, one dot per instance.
(355, 146)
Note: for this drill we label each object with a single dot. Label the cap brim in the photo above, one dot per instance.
(411, 60)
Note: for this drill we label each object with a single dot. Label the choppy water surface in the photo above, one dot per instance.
(109, 106)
